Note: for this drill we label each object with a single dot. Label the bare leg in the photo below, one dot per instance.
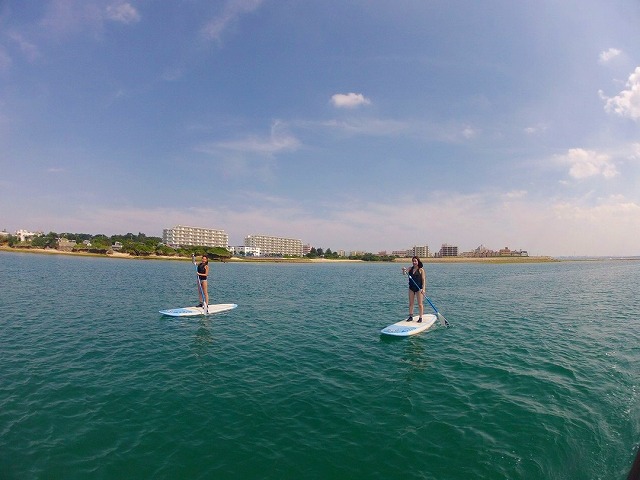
(411, 298)
(206, 292)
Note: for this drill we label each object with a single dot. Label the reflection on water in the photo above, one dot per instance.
(416, 357)
(203, 338)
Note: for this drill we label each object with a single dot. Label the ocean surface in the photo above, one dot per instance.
(538, 376)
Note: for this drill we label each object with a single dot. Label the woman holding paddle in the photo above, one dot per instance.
(417, 286)
(203, 272)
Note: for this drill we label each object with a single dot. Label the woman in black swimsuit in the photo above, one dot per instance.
(203, 271)
(417, 286)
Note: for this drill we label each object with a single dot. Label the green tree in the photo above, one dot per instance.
(100, 243)
(45, 241)
(219, 253)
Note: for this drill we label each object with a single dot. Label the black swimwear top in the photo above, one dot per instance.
(202, 269)
(417, 278)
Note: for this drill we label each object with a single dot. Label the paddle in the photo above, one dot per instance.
(204, 303)
(443, 320)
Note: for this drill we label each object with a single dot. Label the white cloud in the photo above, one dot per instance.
(123, 13)
(26, 47)
(535, 129)
(70, 17)
(172, 74)
(349, 100)
(367, 126)
(609, 55)
(614, 207)
(279, 140)
(469, 133)
(233, 9)
(261, 145)
(627, 102)
(515, 194)
(587, 163)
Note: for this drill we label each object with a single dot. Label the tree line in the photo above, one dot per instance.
(138, 245)
(141, 245)
(367, 257)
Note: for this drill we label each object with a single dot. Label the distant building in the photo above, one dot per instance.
(245, 251)
(480, 252)
(420, 251)
(506, 252)
(448, 251)
(65, 244)
(484, 252)
(274, 246)
(181, 235)
(25, 235)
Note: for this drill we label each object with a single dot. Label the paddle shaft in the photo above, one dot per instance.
(204, 301)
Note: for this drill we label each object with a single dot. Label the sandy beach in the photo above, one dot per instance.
(495, 260)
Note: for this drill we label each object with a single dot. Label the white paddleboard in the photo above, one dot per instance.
(195, 311)
(405, 329)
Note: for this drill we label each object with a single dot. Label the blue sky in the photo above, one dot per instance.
(355, 125)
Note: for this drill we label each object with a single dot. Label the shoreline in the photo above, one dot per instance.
(484, 260)
(126, 256)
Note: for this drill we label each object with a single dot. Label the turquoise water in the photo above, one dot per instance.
(538, 377)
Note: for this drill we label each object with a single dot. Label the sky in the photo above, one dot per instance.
(350, 125)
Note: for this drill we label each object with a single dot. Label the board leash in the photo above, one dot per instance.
(443, 320)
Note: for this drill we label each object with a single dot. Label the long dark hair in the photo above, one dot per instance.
(419, 261)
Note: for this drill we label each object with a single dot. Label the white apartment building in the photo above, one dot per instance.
(269, 245)
(421, 251)
(246, 251)
(181, 235)
(25, 235)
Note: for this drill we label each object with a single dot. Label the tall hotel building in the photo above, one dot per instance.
(194, 236)
(448, 250)
(421, 251)
(274, 245)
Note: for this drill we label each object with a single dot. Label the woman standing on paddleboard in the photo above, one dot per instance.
(203, 272)
(417, 286)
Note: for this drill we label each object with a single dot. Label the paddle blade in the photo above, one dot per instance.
(443, 320)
